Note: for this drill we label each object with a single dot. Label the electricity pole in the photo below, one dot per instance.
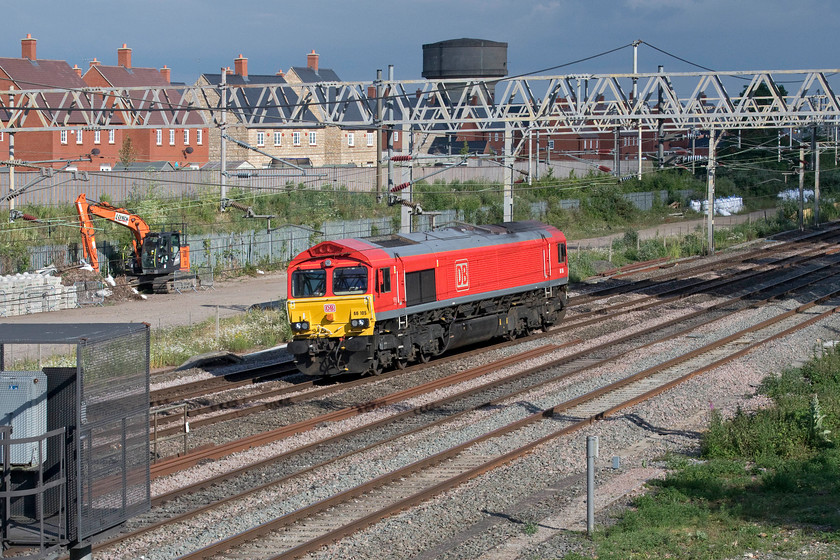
(636, 44)
(711, 193)
(222, 139)
(378, 128)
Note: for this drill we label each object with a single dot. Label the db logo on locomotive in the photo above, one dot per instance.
(462, 275)
(329, 308)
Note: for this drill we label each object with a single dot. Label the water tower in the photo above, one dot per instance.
(465, 59)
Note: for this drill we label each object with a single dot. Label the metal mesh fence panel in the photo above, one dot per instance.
(113, 432)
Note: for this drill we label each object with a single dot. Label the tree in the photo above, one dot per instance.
(127, 152)
(762, 94)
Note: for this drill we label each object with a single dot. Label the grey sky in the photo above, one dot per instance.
(355, 38)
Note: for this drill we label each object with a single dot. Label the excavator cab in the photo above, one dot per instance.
(161, 253)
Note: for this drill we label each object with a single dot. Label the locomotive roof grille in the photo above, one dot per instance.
(390, 241)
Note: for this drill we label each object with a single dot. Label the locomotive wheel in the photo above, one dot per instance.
(422, 356)
(375, 368)
(401, 363)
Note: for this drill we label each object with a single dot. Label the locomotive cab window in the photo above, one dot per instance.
(561, 252)
(309, 283)
(350, 280)
(384, 280)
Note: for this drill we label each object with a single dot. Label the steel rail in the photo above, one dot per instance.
(176, 464)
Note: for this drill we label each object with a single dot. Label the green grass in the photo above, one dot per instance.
(253, 330)
(630, 249)
(172, 346)
(767, 481)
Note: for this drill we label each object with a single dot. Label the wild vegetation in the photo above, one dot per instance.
(254, 330)
(765, 481)
(582, 207)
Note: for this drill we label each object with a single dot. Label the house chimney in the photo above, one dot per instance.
(312, 60)
(165, 72)
(27, 47)
(280, 73)
(77, 70)
(241, 65)
(94, 62)
(228, 71)
(124, 56)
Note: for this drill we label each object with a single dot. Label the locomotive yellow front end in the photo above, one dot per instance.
(330, 309)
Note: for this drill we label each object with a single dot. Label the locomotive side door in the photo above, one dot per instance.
(546, 243)
(399, 280)
(399, 286)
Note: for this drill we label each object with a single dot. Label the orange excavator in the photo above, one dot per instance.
(156, 255)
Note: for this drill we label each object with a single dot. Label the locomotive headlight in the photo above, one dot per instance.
(359, 323)
(300, 326)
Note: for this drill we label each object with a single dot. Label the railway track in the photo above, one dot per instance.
(579, 359)
(242, 377)
(269, 399)
(307, 529)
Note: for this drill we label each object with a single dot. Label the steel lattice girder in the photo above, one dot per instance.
(571, 104)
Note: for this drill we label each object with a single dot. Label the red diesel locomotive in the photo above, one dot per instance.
(369, 304)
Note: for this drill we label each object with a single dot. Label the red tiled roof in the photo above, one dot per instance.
(120, 76)
(46, 74)
(41, 74)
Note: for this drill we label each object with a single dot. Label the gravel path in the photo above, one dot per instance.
(228, 298)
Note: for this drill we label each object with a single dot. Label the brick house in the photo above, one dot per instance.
(68, 148)
(55, 149)
(181, 147)
(273, 128)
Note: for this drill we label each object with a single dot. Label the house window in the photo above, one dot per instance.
(551, 144)
(105, 167)
(495, 137)
(158, 137)
(370, 138)
(278, 138)
(312, 138)
(111, 136)
(79, 137)
(296, 138)
(351, 139)
(198, 136)
(96, 137)
(186, 137)
(260, 138)
(63, 136)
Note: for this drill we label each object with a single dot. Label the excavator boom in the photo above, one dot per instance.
(139, 228)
